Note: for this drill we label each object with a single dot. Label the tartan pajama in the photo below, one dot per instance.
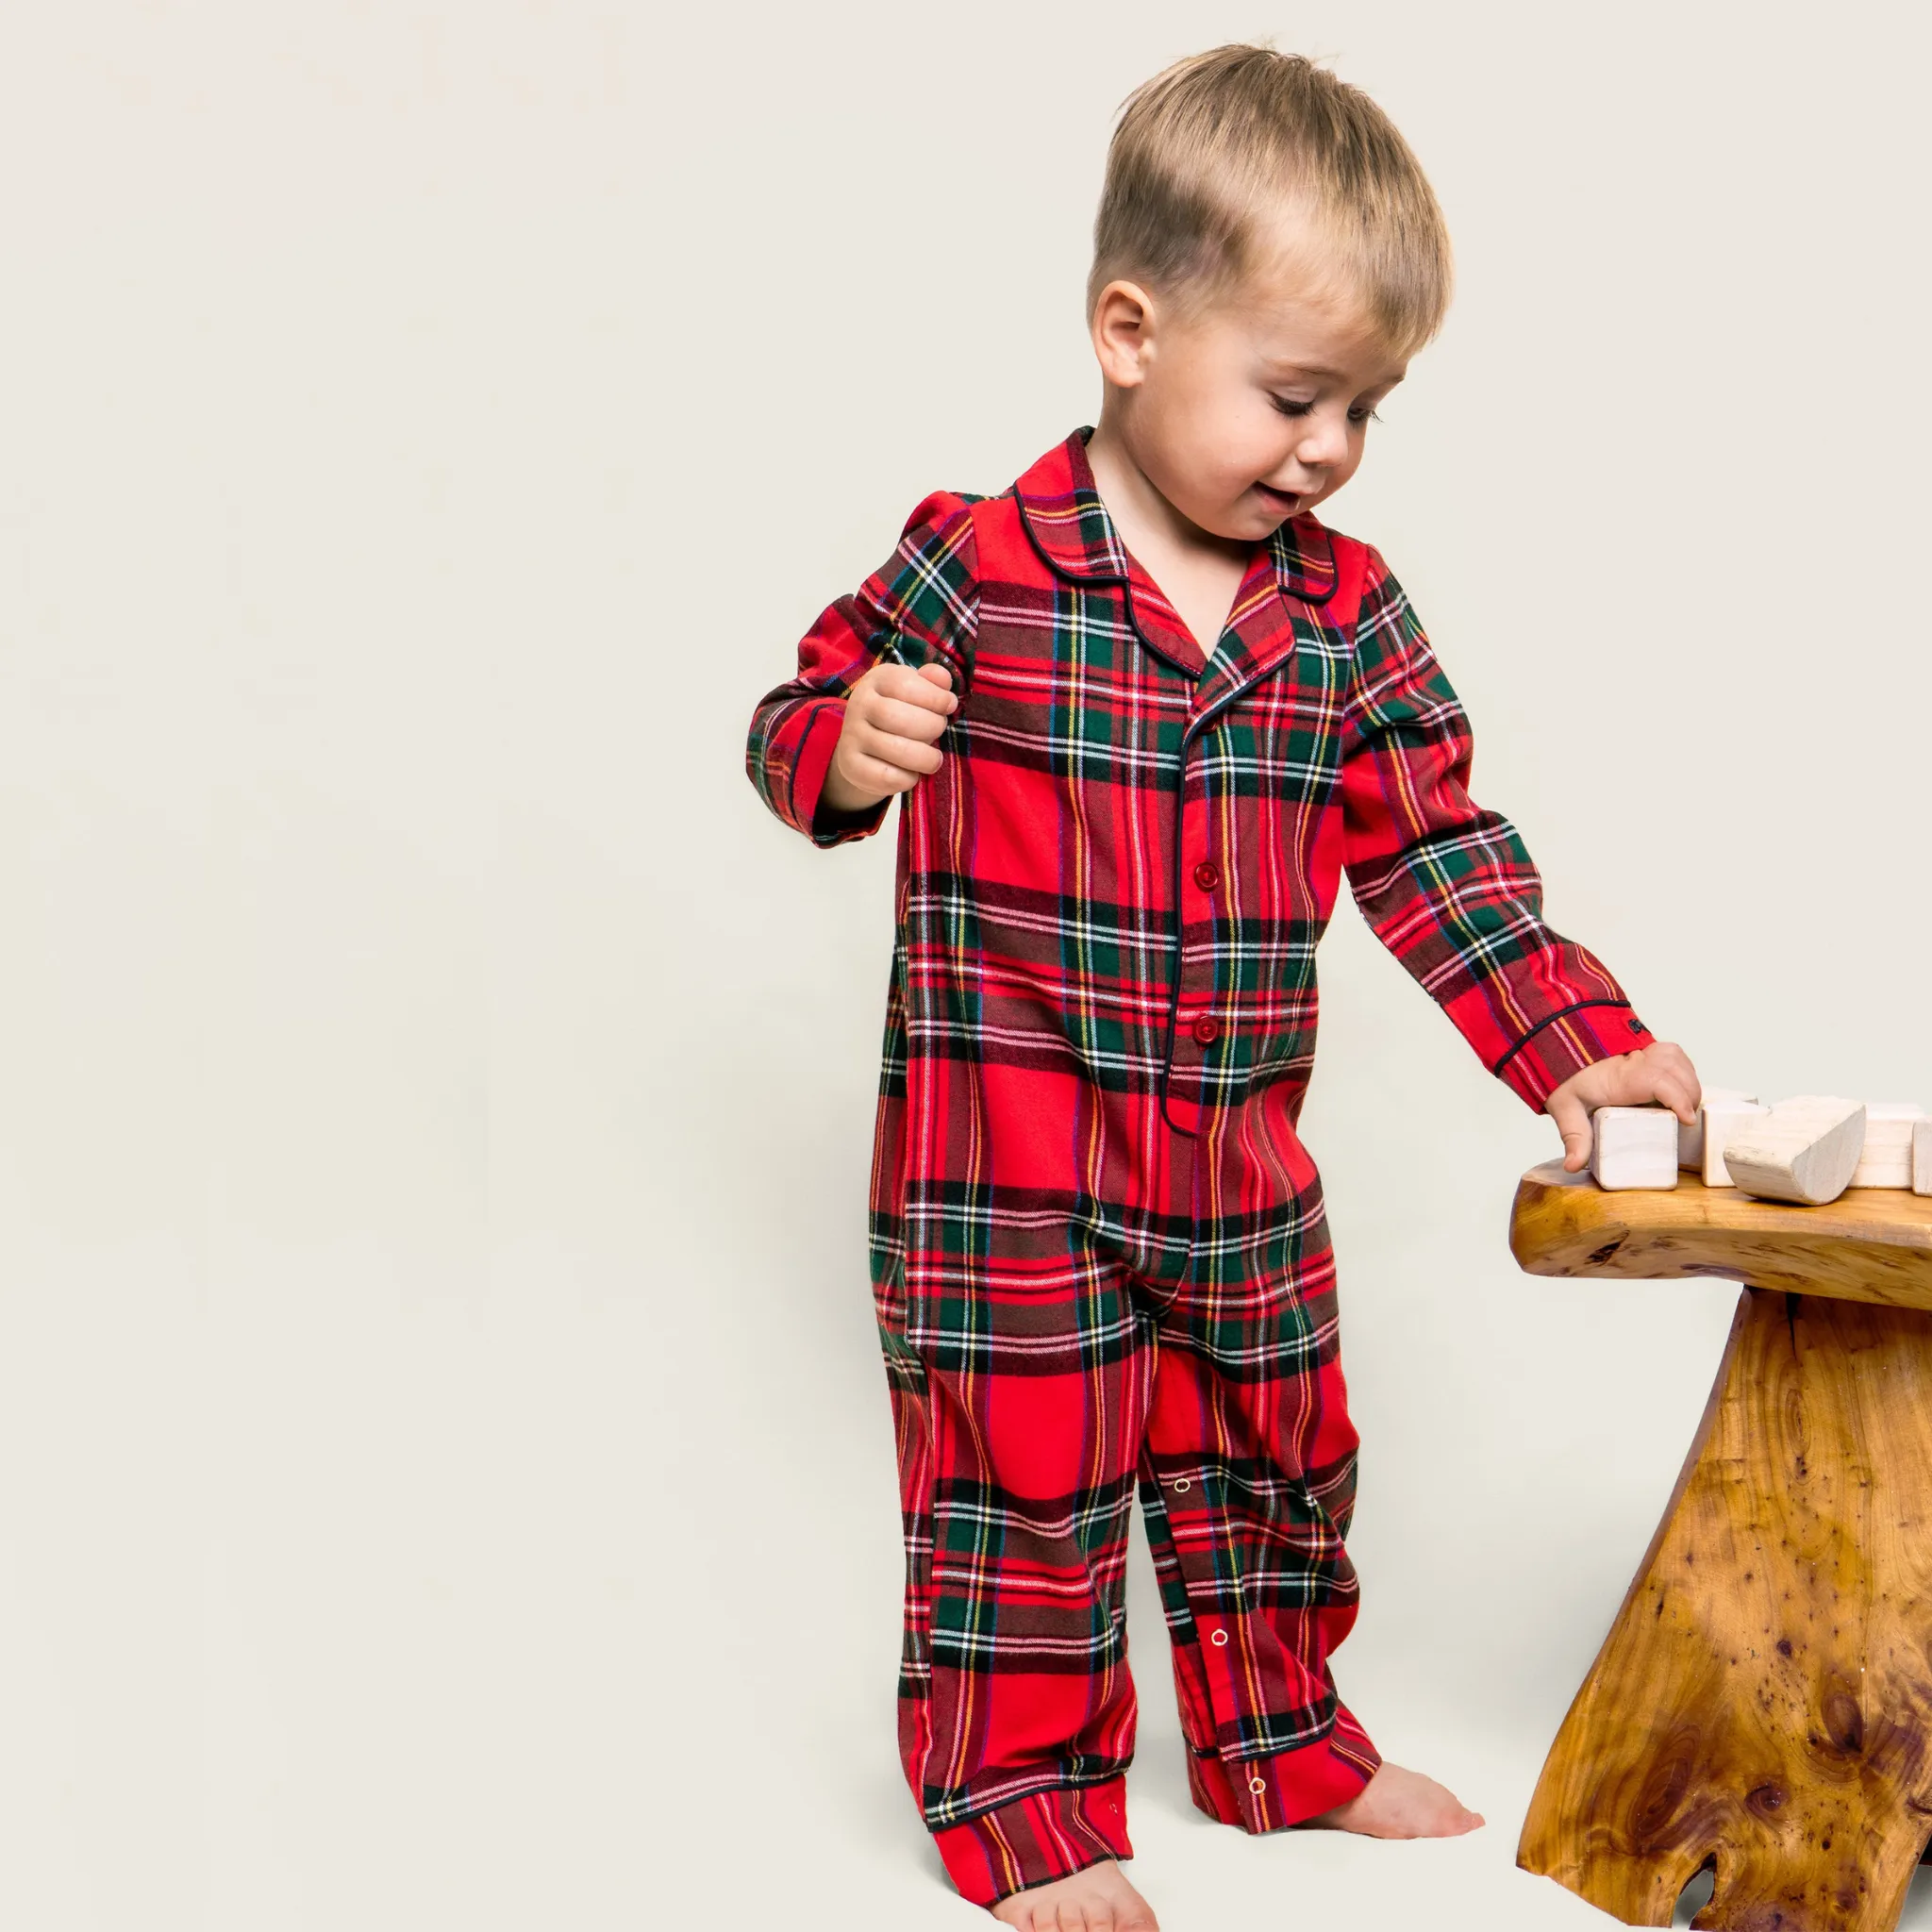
(1099, 1256)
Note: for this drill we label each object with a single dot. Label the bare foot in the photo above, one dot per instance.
(1095, 1900)
(1400, 1804)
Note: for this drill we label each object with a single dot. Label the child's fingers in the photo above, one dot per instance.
(1572, 1121)
(890, 748)
(937, 674)
(891, 718)
(865, 772)
(1681, 1096)
(912, 687)
(1672, 1079)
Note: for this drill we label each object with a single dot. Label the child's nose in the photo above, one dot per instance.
(1324, 446)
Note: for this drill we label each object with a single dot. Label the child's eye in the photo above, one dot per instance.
(1290, 406)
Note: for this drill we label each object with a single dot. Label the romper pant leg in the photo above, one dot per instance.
(1249, 1483)
(1019, 1353)
(1016, 1706)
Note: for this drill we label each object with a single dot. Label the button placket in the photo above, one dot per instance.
(1197, 965)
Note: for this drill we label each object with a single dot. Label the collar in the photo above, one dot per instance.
(1073, 532)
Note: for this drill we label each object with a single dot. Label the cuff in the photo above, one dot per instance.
(1565, 1043)
(1035, 1840)
(818, 727)
(1267, 1794)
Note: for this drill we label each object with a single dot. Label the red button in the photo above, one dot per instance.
(1206, 874)
(1207, 1029)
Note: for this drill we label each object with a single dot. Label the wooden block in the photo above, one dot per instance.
(1803, 1150)
(1723, 1119)
(1922, 1156)
(1690, 1139)
(1887, 1162)
(1634, 1147)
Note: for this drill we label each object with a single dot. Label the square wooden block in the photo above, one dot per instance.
(1634, 1147)
(1887, 1162)
(1690, 1140)
(1722, 1120)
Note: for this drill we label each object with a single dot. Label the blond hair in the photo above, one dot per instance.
(1208, 152)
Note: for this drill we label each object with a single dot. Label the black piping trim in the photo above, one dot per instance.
(1196, 727)
(1304, 593)
(1181, 951)
(1334, 573)
(1303, 586)
(1052, 562)
(1562, 1013)
(1124, 583)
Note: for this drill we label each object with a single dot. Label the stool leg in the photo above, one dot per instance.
(1764, 1698)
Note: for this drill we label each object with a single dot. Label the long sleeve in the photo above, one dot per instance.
(1447, 886)
(919, 607)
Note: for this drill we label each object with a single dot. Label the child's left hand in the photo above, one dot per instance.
(1661, 1072)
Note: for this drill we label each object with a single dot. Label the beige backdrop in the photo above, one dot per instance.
(445, 1471)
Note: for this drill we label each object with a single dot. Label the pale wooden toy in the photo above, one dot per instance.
(1633, 1147)
(1690, 1140)
(1762, 1705)
(1803, 1150)
(1887, 1159)
(1725, 1119)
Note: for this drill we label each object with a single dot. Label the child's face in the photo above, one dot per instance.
(1251, 412)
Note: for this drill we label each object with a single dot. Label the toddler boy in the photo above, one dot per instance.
(1145, 710)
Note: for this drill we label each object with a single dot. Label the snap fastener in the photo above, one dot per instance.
(1181, 1482)
(1218, 1639)
(1207, 1029)
(1258, 1784)
(1206, 874)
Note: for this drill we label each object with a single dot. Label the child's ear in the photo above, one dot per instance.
(1123, 331)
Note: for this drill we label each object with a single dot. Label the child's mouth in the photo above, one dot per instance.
(1279, 499)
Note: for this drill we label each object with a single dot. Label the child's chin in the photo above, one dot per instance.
(1252, 523)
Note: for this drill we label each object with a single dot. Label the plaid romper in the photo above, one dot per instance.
(1100, 1259)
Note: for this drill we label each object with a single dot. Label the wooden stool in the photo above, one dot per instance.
(1762, 1705)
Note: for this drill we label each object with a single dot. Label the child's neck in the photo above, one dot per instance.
(1197, 572)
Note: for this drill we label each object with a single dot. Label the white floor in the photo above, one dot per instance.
(848, 1835)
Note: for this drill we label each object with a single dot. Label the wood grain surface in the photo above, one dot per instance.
(1763, 1703)
(1868, 1246)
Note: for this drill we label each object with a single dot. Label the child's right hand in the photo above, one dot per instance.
(888, 740)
